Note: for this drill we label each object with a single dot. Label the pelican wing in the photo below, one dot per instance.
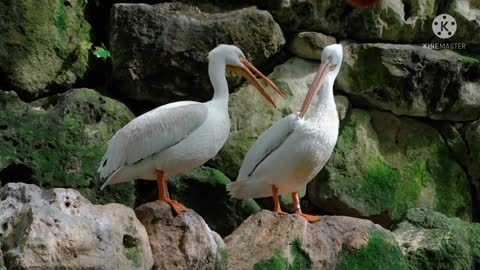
(152, 133)
(270, 140)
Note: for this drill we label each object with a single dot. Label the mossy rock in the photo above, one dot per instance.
(404, 79)
(381, 252)
(59, 142)
(203, 190)
(431, 240)
(300, 259)
(384, 165)
(393, 20)
(44, 45)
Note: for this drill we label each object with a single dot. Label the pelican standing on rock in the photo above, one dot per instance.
(291, 152)
(179, 136)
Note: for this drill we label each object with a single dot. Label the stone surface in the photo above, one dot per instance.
(390, 20)
(309, 45)
(431, 240)
(467, 16)
(267, 240)
(203, 190)
(59, 141)
(183, 241)
(44, 45)
(406, 80)
(292, 77)
(59, 229)
(384, 165)
(472, 137)
(159, 52)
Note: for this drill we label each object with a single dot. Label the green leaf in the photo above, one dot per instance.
(101, 52)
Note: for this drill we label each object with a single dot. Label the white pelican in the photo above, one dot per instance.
(291, 152)
(179, 136)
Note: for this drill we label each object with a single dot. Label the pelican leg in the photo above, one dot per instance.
(276, 202)
(298, 210)
(163, 194)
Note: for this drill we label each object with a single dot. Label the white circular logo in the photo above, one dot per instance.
(444, 26)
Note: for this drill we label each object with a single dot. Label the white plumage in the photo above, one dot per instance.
(292, 151)
(178, 136)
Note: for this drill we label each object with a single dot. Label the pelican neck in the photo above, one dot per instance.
(216, 72)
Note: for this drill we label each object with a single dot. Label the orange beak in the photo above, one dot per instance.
(248, 71)
(315, 87)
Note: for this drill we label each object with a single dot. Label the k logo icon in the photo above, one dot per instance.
(444, 26)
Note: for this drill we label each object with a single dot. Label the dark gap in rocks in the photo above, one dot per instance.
(475, 204)
(407, 9)
(17, 172)
(129, 241)
(67, 204)
(3, 126)
(5, 226)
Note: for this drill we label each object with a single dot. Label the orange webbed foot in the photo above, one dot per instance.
(309, 218)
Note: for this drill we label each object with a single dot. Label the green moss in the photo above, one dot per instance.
(62, 145)
(369, 71)
(380, 253)
(135, 255)
(301, 260)
(276, 262)
(441, 243)
(61, 19)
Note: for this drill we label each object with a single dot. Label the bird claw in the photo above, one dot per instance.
(176, 206)
(309, 218)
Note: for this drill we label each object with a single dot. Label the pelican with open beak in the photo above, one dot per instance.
(293, 150)
(179, 136)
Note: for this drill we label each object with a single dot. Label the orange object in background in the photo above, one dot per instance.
(363, 3)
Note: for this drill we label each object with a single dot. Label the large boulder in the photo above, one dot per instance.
(159, 52)
(59, 229)
(384, 165)
(309, 45)
(59, 141)
(390, 20)
(203, 190)
(44, 45)
(472, 137)
(431, 240)
(467, 15)
(181, 241)
(267, 240)
(405, 79)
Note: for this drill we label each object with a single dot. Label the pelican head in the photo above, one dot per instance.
(332, 56)
(236, 61)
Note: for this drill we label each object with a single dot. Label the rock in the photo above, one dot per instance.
(431, 240)
(472, 137)
(390, 20)
(44, 45)
(59, 229)
(374, 74)
(159, 52)
(384, 165)
(59, 141)
(455, 142)
(203, 190)
(466, 14)
(183, 241)
(269, 241)
(309, 45)
(293, 78)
